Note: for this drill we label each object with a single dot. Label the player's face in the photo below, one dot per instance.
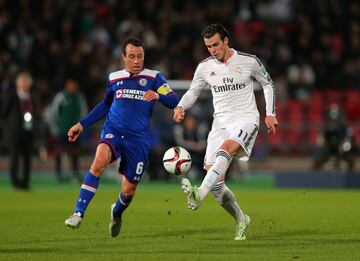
(134, 59)
(216, 47)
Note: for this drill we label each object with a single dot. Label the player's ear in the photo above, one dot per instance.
(123, 56)
(226, 41)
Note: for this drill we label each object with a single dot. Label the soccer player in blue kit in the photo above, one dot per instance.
(128, 104)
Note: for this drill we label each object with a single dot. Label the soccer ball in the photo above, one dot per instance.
(177, 160)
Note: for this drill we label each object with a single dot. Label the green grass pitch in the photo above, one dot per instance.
(287, 225)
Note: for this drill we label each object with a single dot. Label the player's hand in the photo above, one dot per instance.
(179, 114)
(75, 132)
(271, 124)
(151, 95)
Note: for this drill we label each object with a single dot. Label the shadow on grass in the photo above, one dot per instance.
(206, 245)
(183, 233)
(270, 234)
(29, 250)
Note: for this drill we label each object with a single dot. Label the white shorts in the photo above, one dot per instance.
(243, 133)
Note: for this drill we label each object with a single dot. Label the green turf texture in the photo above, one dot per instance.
(287, 225)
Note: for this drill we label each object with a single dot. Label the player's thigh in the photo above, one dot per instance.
(214, 141)
(244, 133)
(102, 158)
(237, 139)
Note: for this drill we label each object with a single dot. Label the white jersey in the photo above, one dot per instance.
(232, 87)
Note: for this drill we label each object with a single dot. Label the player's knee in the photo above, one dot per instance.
(128, 189)
(231, 147)
(98, 167)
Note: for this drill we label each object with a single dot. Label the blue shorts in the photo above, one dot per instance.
(132, 151)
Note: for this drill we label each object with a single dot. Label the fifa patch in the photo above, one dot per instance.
(109, 136)
(142, 81)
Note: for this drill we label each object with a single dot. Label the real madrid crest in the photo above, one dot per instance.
(142, 81)
(238, 70)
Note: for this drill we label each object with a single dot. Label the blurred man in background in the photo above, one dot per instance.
(192, 136)
(336, 141)
(67, 108)
(18, 112)
(230, 75)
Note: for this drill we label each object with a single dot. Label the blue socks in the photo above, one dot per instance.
(121, 204)
(87, 192)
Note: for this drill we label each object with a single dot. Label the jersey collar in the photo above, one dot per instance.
(232, 54)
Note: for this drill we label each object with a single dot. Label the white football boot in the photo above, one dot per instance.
(115, 223)
(241, 228)
(192, 194)
(74, 221)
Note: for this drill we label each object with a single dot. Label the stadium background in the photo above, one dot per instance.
(310, 48)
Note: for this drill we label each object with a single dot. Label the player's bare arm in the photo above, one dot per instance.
(150, 95)
(271, 124)
(75, 132)
(179, 114)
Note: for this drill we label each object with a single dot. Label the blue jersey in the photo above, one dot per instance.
(129, 112)
(127, 127)
(124, 104)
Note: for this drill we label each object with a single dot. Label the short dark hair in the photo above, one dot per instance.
(212, 29)
(133, 41)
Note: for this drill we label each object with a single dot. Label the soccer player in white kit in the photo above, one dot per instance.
(230, 75)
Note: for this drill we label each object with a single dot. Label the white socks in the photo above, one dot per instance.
(227, 200)
(214, 181)
(215, 173)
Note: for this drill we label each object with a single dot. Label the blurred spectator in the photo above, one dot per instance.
(67, 108)
(276, 10)
(56, 44)
(161, 139)
(301, 79)
(336, 142)
(191, 135)
(18, 112)
(55, 40)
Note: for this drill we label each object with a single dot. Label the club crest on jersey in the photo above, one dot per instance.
(238, 70)
(142, 81)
